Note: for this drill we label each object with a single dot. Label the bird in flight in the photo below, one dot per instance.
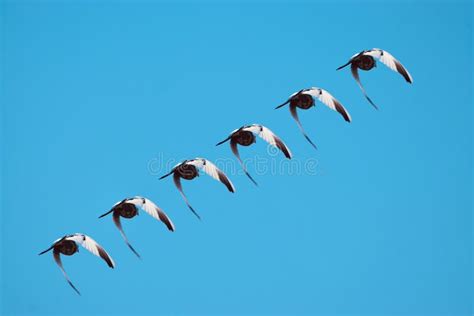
(128, 208)
(305, 99)
(245, 136)
(68, 245)
(188, 170)
(365, 60)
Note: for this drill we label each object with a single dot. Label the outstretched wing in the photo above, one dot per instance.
(113, 208)
(294, 114)
(228, 137)
(211, 169)
(267, 135)
(355, 74)
(93, 247)
(116, 217)
(289, 99)
(350, 60)
(235, 151)
(391, 62)
(177, 183)
(152, 209)
(327, 99)
(57, 258)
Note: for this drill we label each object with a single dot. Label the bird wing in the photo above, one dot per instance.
(177, 183)
(52, 246)
(152, 209)
(93, 247)
(294, 114)
(235, 151)
(211, 169)
(391, 62)
(57, 258)
(355, 74)
(327, 99)
(112, 209)
(267, 135)
(116, 218)
(228, 137)
(289, 99)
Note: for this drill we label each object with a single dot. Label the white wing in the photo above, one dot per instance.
(152, 209)
(267, 135)
(91, 245)
(327, 99)
(211, 169)
(391, 62)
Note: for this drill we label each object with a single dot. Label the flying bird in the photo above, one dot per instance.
(245, 136)
(365, 60)
(188, 170)
(305, 99)
(68, 245)
(128, 208)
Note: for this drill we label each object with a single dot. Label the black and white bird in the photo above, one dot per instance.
(128, 208)
(365, 60)
(188, 170)
(305, 99)
(245, 136)
(68, 245)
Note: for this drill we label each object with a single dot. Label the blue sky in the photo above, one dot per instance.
(95, 94)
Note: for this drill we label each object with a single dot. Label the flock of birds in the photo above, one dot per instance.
(245, 136)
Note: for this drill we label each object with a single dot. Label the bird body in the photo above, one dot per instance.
(189, 170)
(366, 60)
(129, 208)
(245, 136)
(305, 99)
(68, 246)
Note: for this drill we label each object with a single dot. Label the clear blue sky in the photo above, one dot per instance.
(94, 93)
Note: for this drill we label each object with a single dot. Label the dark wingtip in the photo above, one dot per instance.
(45, 251)
(345, 65)
(134, 251)
(281, 105)
(251, 179)
(167, 223)
(75, 289)
(194, 212)
(166, 175)
(373, 104)
(311, 142)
